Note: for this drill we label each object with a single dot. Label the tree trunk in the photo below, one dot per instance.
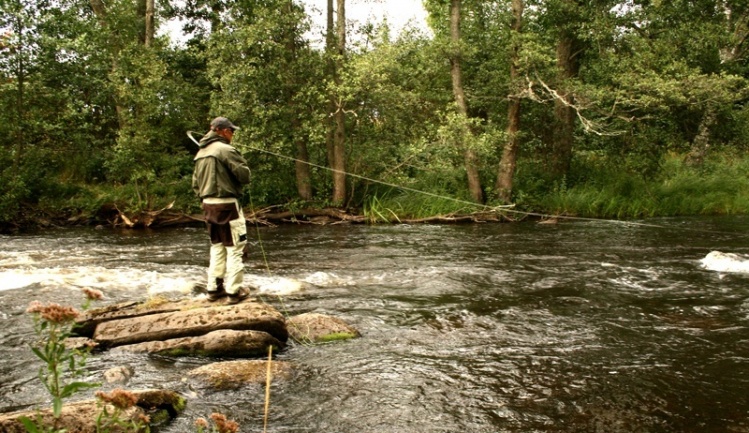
(20, 97)
(150, 29)
(508, 162)
(303, 178)
(339, 137)
(100, 11)
(564, 125)
(302, 168)
(701, 142)
(471, 161)
(330, 50)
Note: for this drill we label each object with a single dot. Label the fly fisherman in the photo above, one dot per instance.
(220, 172)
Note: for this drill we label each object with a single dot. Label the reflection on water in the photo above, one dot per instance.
(578, 327)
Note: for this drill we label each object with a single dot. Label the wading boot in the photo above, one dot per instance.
(215, 295)
(241, 295)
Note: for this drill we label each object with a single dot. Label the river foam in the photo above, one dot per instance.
(726, 262)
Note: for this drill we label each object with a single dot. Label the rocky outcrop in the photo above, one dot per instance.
(191, 327)
(234, 374)
(193, 322)
(241, 344)
(151, 407)
(319, 328)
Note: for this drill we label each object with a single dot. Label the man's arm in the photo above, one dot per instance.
(238, 166)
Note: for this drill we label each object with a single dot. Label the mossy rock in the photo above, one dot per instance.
(234, 374)
(158, 406)
(319, 328)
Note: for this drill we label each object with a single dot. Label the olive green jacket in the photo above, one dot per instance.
(220, 170)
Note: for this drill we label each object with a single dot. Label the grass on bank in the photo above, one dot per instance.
(720, 186)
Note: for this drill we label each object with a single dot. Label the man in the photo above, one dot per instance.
(220, 172)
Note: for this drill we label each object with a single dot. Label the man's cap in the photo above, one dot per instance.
(223, 123)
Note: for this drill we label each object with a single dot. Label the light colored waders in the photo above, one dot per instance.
(226, 261)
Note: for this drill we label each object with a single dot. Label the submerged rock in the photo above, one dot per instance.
(319, 328)
(190, 323)
(234, 374)
(119, 375)
(152, 407)
(224, 342)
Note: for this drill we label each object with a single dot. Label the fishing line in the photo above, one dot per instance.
(284, 308)
(498, 209)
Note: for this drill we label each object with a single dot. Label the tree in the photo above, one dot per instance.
(471, 161)
(338, 163)
(272, 89)
(508, 162)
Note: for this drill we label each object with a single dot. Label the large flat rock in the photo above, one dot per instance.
(192, 322)
(90, 319)
(225, 342)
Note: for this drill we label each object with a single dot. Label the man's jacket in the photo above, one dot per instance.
(220, 170)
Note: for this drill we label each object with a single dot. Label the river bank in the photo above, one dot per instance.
(111, 216)
(600, 191)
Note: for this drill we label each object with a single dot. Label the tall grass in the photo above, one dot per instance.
(412, 205)
(719, 186)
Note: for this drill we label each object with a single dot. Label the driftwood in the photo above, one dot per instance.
(337, 216)
(142, 219)
(111, 215)
(270, 217)
(311, 215)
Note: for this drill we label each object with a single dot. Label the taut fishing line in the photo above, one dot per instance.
(498, 209)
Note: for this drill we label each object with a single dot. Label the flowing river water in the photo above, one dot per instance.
(521, 327)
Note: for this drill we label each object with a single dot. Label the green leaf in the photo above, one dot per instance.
(74, 387)
(29, 425)
(57, 407)
(39, 354)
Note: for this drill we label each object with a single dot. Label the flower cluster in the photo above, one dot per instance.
(223, 425)
(201, 423)
(93, 294)
(53, 313)
(118, 398)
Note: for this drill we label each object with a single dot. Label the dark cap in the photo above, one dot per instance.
(223, 123)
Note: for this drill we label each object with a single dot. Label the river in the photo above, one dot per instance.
(582, 326)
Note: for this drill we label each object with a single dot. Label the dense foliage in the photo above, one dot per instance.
(625, 108)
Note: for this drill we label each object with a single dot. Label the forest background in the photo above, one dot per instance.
(594, 108)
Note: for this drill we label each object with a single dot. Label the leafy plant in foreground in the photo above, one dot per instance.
(53, 324)
(113, 406)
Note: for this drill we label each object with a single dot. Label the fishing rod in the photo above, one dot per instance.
(190, 136)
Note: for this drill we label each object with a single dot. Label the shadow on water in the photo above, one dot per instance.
(578, 327)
